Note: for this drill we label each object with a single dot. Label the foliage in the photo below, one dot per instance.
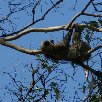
(42, 79)
(41, 86)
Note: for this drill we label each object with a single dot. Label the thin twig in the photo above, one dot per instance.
(94, 15)
(79, 14)
(94, 49)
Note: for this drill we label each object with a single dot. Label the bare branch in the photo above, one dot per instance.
(79, 14)
(27, 31)
(18, 48)
(73, 19)
(41, 18)
(33, 9)
(49, 29)
(94, 5)
(85, 99)
(91, 51)
(90, 1)
(97, 73)
(94, 49)
(94, 15)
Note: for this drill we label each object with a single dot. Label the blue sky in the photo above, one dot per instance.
(10, 58)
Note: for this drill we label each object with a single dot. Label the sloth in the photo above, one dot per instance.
(66, 51)
(53, 51)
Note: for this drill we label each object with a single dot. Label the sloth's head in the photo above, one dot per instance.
(47, 45)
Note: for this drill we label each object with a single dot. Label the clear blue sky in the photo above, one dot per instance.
(11, 59)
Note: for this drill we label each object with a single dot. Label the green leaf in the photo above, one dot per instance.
(46, 92)
(94, 24)
(87, 37)
(53, 84)
(100, 21)
(44, 65)
(38, 56)
(57, 93)
(94, 98)
(49, 69)
(84, 89)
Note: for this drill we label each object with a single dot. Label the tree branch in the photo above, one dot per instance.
(97, 73)
(43, 16)
(39, 19)
(94, 49)
(27, 31)
(49, 29)
(91, 27)
(20, 49)
(94, 15)
(79, 14)
(73, 19)
(90, 93)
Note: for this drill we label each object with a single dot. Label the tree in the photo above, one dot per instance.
(47, 78)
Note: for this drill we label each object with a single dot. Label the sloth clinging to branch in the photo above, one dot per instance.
(66, 51)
